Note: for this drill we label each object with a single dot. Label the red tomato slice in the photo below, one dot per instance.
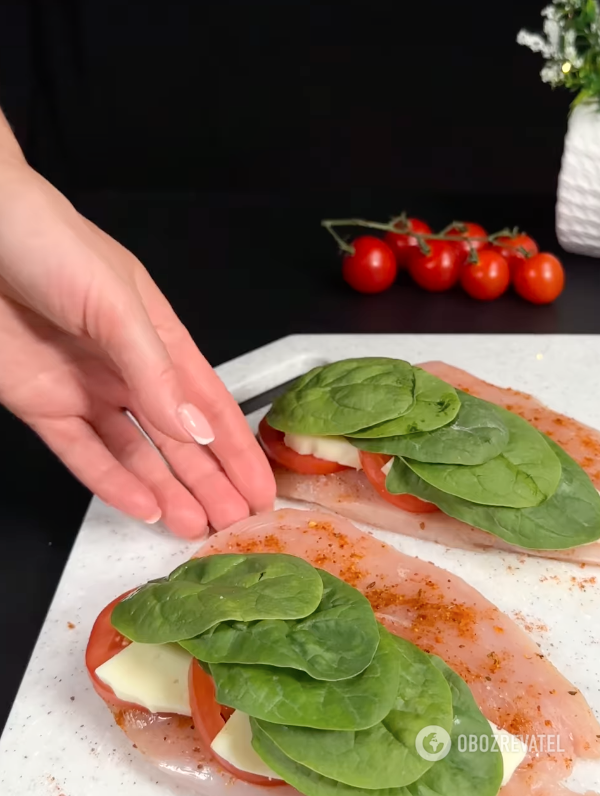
(278, 451)
(209, 720)
(105, 642)
(209, 717)
(372, 464)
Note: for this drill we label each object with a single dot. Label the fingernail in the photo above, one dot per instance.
(152, 520)
(196, 425)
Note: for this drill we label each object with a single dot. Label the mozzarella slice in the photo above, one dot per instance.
(387, 467)
(234, 744)
(332, 449)
(154, 676)
(513, 751)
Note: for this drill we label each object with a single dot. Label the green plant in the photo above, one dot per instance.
(569, 518)
(289, 696)
(436, 403)
(525, 474)
(357, 397)
(205, 591)
(319, 644)
(475, 436)
(345, 396)
(571, 47)
(424, 699)
(472, 774)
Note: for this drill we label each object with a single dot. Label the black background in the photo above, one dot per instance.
(210, 138)
(282, 95)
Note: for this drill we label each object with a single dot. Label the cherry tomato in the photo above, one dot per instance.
(511, 249)
(209, 720)
(486, 279)
(469, 232)
(439, 270)
(105, 642)
(372, 464)
(372, 268)
(540, 279)
(276, 449)
(401, 243)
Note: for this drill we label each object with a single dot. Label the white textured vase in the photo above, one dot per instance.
(578, 203)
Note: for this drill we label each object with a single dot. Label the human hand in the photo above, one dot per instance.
(85, 333)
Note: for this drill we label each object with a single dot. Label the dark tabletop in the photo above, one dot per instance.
(242, 271)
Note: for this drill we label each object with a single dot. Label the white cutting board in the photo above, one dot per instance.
(60, 739)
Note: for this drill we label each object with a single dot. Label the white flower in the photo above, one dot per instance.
(550, 12)
(535, 42)
(559, 42)
(553, 34)
(551, 73)
(570, 50)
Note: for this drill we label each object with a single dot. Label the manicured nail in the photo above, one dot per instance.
(196, 425)
(152, 520)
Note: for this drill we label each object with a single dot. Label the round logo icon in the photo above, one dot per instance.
(433, 743)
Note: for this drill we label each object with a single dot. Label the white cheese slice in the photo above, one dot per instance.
(387, 467)
(332, 449)
(154, 676)
(512, 749)
(234, 744)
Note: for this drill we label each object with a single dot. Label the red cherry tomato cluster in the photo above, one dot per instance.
(484, 265)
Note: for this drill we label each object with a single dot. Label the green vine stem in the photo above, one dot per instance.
(401, 226)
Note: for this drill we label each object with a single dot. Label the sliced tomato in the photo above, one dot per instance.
(372, 464)
(209, 719)
(105, 642)
(276, 449)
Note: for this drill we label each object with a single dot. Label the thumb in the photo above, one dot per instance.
(128, 336)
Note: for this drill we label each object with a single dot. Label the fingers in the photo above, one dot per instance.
(244, 461)
(118, 321)
(201, 473)
(234, 445)
(77, 444)
(181, 512)
(168, 371)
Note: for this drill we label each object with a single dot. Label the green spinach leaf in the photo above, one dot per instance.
(383, 756)
(571, 517)
(289, 696)
(205, 591)
(465, 773)
(475, 436)
(344, 397)
(459, 774)
(436, 403)
(336, 642)
(303, 779)
(525, 474)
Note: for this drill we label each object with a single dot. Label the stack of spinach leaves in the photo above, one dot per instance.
(474, 460)
(336, 701)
